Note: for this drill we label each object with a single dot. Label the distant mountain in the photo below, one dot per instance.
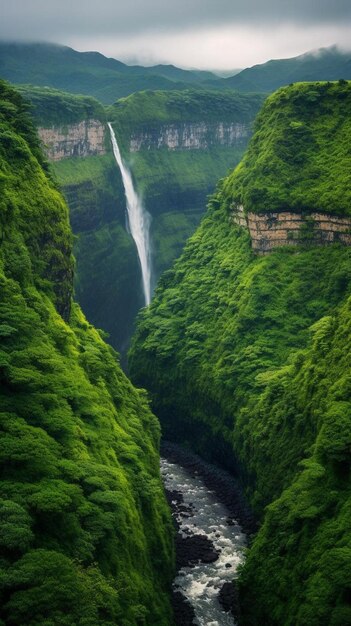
(324, 64)
(106, 79)
(89, 73)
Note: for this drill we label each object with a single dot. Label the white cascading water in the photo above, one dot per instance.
(139, 220)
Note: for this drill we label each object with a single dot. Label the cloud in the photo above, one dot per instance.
(199, 33)
(61, 18)
(228, 47)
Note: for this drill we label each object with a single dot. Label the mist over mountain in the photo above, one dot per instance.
(107, 79)
(89, 73)
(324, 64)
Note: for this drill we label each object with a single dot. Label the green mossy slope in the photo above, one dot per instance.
(299, 158)
(247, 359)
(85, 530)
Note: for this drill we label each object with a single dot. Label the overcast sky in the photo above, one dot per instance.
(215, 34)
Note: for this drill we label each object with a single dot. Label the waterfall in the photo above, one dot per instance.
(138, 218)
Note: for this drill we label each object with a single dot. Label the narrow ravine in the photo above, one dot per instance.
(210, 543)
(139, 220)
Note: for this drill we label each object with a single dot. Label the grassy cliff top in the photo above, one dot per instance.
(299, 158)
(147, 107)
(54, 107)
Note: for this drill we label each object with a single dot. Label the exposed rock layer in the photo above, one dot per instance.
(189, 136)
(86, 138)
(271, 230)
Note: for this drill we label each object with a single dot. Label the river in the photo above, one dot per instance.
(210, 542)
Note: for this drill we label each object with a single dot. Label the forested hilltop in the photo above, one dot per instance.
(248, 356)
(85, 532)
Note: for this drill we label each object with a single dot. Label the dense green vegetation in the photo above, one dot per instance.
(169, 231)
(247, 359)
(85, 529)
(89, 73)
(300, 156)
(324, 64)
(51, 107)
(146, 108)
(180, 179)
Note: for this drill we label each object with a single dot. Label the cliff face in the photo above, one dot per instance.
(247, 356)
(272, 230)
(191, 136)
(86, 535)
(85, 138)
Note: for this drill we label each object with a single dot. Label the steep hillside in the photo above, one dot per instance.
(247, 355)
(177, 145)
(324, 64)
(88, 73)
(85, 529)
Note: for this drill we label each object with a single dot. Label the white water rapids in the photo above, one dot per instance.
(138, 218)
(201, 584)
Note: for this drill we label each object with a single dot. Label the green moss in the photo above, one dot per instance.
(86, 535)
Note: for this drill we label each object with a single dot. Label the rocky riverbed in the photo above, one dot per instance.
(212, 521)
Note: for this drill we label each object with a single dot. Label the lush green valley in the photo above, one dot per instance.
(247, 357)
(86, 536)
(173, 183)
(107, 277)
